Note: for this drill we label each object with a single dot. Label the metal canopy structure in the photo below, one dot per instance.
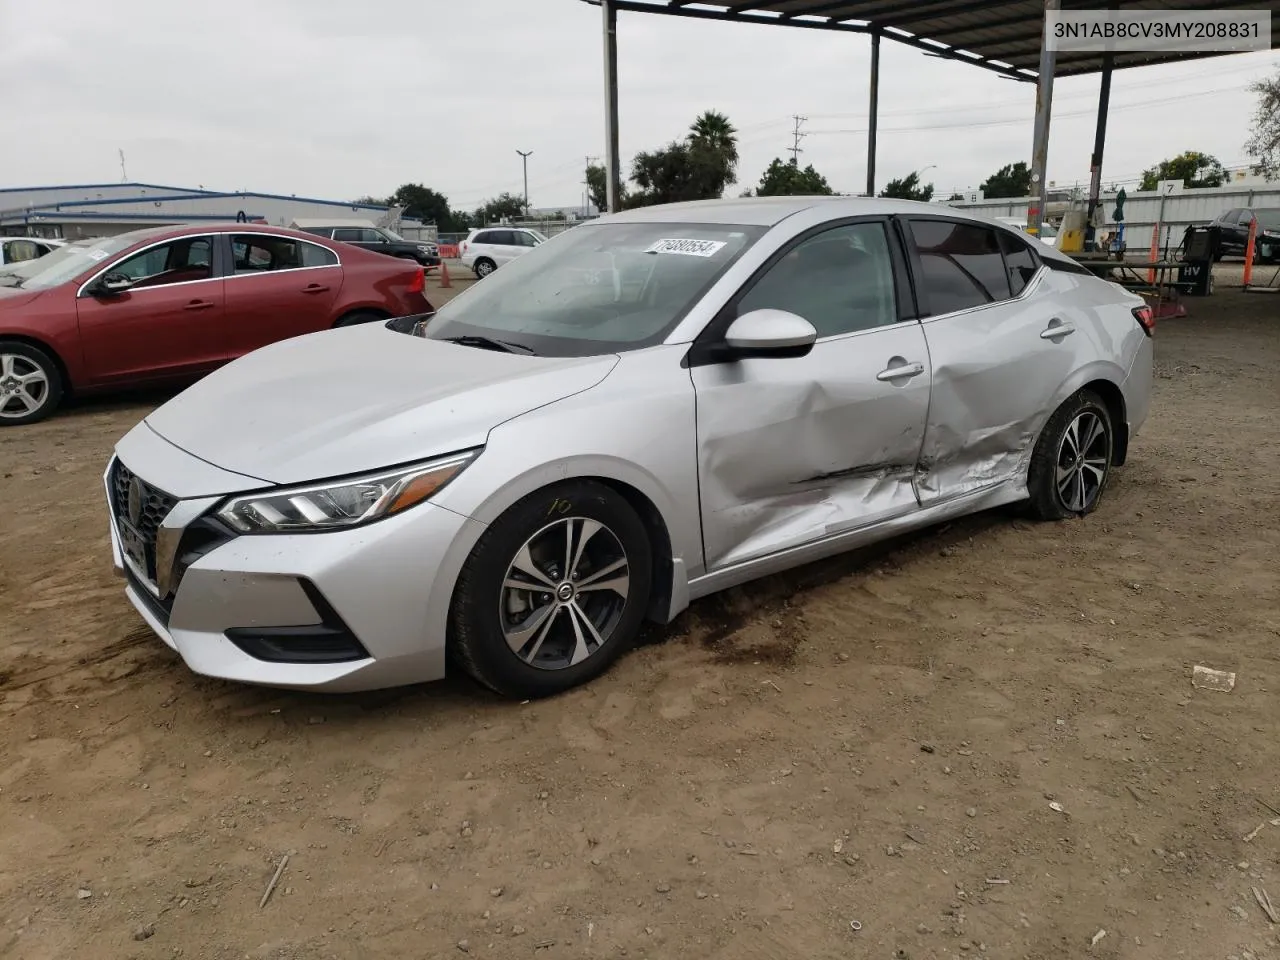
(1003, 36)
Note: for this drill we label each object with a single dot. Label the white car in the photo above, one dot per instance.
(1048, 232)
(485, 250)
(21, 249)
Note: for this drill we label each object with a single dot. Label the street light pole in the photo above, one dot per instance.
(524, 157)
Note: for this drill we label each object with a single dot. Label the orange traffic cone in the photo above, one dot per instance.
(444, 274)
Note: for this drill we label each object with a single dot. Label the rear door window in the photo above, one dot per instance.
(1020, 260)
(961, 265)
(260, 253)
(348, 234)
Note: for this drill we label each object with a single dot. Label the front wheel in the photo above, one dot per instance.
(553, 593)
(1072, 459)
(30, 384)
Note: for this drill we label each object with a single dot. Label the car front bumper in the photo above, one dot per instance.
(336, 611)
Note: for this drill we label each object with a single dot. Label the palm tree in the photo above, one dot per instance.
(714, 141)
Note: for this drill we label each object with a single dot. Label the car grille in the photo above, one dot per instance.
(155, 506)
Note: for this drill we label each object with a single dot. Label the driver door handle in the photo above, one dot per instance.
(198, 305)
(1057, 328)
(900, 371)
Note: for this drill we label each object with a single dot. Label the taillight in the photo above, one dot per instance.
(464, 247)
(1146, 318)
(419, 281)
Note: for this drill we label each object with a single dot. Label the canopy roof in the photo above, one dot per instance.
(999, 35)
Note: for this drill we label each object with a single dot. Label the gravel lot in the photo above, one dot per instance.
(877, 738)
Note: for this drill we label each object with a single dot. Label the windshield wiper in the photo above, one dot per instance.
(488, 343)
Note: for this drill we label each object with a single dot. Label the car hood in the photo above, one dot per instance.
(16, 296)
(360, 398)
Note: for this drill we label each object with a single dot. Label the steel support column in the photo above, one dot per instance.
(1044, 110)
(1099, 141)
(612, 173)
(873, 113)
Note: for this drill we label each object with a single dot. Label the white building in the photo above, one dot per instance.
(104, 209)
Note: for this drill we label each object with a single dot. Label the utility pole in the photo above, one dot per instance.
(586, 187)
(796, 137)
(524, 157)
(124, 176)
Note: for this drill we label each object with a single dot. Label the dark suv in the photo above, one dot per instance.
(1234, 227)
(381, 240)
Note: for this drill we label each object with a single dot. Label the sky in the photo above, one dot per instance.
(336, 99)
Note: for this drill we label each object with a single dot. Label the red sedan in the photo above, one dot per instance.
(169, 304)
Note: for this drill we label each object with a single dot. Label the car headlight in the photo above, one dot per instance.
(341, 504)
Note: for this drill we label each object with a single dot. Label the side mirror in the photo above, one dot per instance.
(112, 285)
(769, 333)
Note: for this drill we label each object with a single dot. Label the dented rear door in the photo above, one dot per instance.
(1001, 343)
(794, 450)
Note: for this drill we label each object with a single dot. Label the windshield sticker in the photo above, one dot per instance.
(96, 255)
(687, 248)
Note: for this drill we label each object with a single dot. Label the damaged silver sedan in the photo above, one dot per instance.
(641, 411)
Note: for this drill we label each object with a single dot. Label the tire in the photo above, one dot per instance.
(358, 316)
(536, 643)
(484, 266)
(1064, 481)
(31, 386)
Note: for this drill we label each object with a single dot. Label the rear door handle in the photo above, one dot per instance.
(1057, 328)
(899, 369)
(315, 288)
(198, 305)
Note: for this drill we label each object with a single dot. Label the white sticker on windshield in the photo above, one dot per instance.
(687, 248)
(96, 255)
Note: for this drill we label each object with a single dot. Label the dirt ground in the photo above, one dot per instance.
(981, 742)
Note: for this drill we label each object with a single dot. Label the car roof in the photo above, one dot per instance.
(769, 211)
(195, 229)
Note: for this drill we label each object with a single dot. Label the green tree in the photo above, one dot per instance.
(713, 150)
(422, 203)
(597, 190)
(908, 188)
(1011, 180)
(1264, 141)
(371, 201)
(699, 167)
(505, 206)
(1193, 168)
(785, 178)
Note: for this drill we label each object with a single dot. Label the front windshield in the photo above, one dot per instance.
(1048, 230)
(599, 288)
(64, 263)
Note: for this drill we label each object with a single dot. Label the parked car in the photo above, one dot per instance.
(22, 249)
(173, 303)
(485, 250)
(644, 410)
(1234, 230)
(376, 239)
(1048, 232)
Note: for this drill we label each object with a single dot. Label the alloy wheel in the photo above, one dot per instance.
(564, 593)
(1083, 458)
(24, 386)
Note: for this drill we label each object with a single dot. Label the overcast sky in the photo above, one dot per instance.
(336, 99)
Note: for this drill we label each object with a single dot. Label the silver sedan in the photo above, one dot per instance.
(641, 411)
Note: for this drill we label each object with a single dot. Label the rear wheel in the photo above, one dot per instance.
(484, 267)
(1072, 459)
(553, 593)
(30, 384)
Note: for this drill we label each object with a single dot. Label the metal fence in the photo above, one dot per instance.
(1142, 209)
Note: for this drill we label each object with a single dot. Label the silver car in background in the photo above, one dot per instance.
(641, 411)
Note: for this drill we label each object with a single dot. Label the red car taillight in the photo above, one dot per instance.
(464, 247)
(419, 281)
(1146, 319)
